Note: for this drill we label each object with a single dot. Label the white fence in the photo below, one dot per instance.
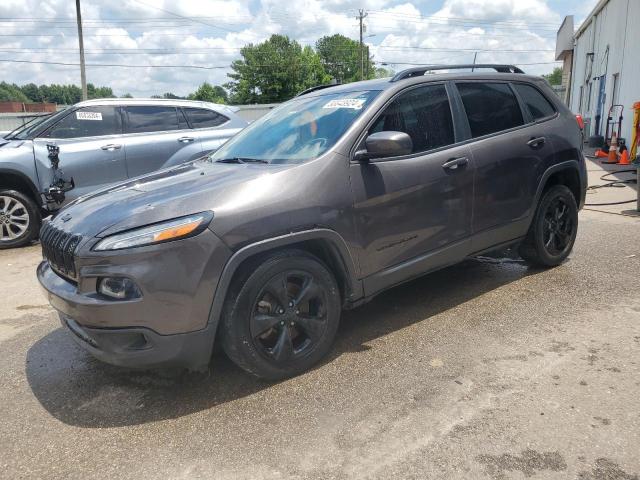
(254, 112)
(9, 121)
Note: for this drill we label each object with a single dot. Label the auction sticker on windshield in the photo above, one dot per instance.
(89, 115)
(354, 103)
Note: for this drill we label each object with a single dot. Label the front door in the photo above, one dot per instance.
(91, 150)
(412, 211)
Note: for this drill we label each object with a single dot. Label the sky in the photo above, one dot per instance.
(147, 47)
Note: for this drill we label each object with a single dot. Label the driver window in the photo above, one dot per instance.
(424, 114)
(92, 121)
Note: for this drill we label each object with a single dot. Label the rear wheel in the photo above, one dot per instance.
(554, 228)
(19, 219)
(282, 317)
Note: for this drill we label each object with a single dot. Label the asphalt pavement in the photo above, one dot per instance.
(488, 369)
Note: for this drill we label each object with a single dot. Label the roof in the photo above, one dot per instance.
(151, 101)
(596, 10)
(386, 83)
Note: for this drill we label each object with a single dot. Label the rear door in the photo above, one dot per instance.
(157, 136)
(90, 141)
(509, 151)
(209, 127)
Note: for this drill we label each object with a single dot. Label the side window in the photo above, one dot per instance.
(201, 117)
(424, 114)
(538, 105)
(88, 122)
(151, 118)
(490, 107)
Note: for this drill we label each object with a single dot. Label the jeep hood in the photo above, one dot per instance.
(183, 190)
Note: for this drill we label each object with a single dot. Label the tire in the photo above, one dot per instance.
(20, 219)
(553, 231)
(281, 316)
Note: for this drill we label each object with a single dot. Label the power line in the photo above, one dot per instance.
(461, 19)
(186, 18)
(200, 67)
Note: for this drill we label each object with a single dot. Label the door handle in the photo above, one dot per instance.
(111, 147)
(536, 142)
(454, 163)
(186, 139)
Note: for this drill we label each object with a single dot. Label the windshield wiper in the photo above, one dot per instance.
(241, 160)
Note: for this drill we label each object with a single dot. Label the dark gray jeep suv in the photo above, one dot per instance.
(326, 201)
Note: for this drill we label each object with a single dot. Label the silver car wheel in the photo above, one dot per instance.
(14, 219)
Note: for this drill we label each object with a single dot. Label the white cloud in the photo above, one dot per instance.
(397, 31)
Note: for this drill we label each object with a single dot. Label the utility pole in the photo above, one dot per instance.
(361, 16)
(83, 75)
(475, 55)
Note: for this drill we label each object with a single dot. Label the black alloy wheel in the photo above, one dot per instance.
(558, 227)
(553, 230)
(281, 314)
(289, 317)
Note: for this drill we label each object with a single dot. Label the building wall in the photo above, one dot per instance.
(16, 107)
(612, 36)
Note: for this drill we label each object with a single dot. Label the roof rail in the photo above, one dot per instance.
(317, 87)
(419, 71)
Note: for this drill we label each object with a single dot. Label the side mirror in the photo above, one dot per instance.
(385, 144)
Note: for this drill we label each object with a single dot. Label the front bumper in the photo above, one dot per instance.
(167, 326)
(142, 347)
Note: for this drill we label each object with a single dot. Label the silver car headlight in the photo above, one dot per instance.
(167, 231)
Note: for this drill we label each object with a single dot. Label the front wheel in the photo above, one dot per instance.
(282, 317)
(19, 219)
(554, 228)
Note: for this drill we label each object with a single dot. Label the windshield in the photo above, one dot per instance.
(35, 126)
(299, 130)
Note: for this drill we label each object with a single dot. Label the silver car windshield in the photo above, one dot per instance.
(33, 128)
(297, 131)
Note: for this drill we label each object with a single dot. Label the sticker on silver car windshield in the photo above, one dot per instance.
(89, 115)
(354, 103)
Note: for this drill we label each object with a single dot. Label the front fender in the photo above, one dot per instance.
(16, 158)
(327, 235)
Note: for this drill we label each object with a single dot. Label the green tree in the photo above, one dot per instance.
(32, 92)
(555, 77)
(341, 58)
(98, 92)
(381, 72)
(274, 71)
(127, 95)
(209, 93)
(10, 92)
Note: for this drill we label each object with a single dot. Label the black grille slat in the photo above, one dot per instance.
(59, 248)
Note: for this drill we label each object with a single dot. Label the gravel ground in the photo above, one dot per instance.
(487, 369)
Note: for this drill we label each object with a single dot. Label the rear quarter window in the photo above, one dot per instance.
(536, 102)
(203, 118)
(490, 107)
